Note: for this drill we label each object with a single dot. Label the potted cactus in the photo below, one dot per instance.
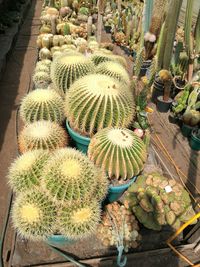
(94, 102)
(122, 154)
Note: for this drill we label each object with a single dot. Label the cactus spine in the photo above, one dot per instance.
(42, 135)
(25, 171)
(97, 101)
(42, 104)
(41, 79)
(118, 151)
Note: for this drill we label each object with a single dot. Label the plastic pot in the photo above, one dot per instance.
(194, 141)
(146, 64)
(158, 89)
(59, 240)
(186, 130)
(163, 106)
(81, 142)
(108, 29)
(115, 192)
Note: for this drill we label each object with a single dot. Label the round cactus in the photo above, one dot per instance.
(44, 62)
(118, 151)
(25, 171)
(97, 101)
(42, 104)
(69, 175)
(42, 68)
(99, 57)
(41, 79)
(157, 201)
(115, 70)
(68, 68)
(34, 215)
(80, 219)
(42, 135)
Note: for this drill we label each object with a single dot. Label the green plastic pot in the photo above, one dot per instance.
(81, 142)
(194, 142)
(115, 192)
(59, 240)
(186, 130)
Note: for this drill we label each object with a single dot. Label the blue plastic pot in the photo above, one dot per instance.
(115, 192)
(81, 142)
(194, 142)
(59, 240)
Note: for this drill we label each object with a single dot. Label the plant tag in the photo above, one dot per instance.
(168, 189)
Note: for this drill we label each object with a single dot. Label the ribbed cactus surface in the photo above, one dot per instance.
(42, 104)
(99, 57)
(42, 135)
(25, 171)
(118, 151)
(67, 68)
(34, 216)
(97, 101)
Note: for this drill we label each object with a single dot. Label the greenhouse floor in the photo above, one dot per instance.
(15, 82)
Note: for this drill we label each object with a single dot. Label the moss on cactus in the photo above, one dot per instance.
(25, 171)
(42, 104)
(79, 220)
(114, 70)
(34, 215)
(118, 151)
(68, 68)
(41, 79)
(69, 175)
(97, 101)
(42, 135)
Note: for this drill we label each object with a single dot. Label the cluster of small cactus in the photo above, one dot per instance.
(157, 201)
(42, 104)
(42, 135)
(125, 152)
(66, 69)
(97, 101)
(118, 226)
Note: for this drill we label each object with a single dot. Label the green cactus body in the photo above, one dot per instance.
(42, 104)
(25, 171)
(69, 175)
(42, 135)
(118, 151)
(68, 68)
(66, 29)
(41, 79)
(99, 57)
(97, 101)
(34, 216)
(114, 70)
(79, 220)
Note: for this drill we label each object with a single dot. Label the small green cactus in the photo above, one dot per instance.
(41, 79)
(34, 215)
(69, 175)
(97, 101)
(42, 135)
(124, 155)
(68, 68)
(79, 220)
(114, 70)
(25, 171)
(42, 104)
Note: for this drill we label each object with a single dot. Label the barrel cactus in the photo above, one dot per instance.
(34, 215)
(99, 57)
(118, 151)
(157, 201)
(41, 79)
(97, 101)
(80, 219)
(68, 68)
(69, 175)
(42, 135)
(42, 104)
(25, 171)
(115, 70)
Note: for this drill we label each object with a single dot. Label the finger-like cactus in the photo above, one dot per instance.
(67, 68)
(25, 171)
(118, 151)
(114, 70)
(42, 104)
(69, 175)
(97, 101)
(80, 219)
(42, 135)
(34, 215)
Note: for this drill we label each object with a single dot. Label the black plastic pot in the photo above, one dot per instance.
(158, 90)
(163, 106)
(108, 29)
(146, 64)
